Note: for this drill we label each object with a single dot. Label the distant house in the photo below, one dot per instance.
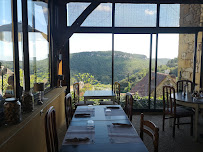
(142, 87)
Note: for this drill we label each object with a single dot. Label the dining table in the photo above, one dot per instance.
(99, 94)
(188, 100)
(101, 128)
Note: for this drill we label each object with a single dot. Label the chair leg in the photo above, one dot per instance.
(174, 122)
(163, 123)
(191, 127)
(178, 121)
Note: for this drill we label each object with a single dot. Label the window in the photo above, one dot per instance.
(135, 15)
(91, 61)
(38, 43)
(6, 50)
(100, 16)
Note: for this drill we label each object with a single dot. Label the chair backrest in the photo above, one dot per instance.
(76, 92)
(129, 105)
(68, 109)
(151, 129)
(169, 100)
(117, 91)
(50, 130)
(181, 83)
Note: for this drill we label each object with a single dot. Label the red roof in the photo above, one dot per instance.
(142, 86)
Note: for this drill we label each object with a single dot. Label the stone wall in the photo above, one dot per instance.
(190, 16)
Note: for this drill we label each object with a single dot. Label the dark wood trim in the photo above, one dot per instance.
(139, 30)
(155, 83)
(113, 24)
(26, 63)
(76, 25)
(141, 1)
(15, 48)
(68, 68)
(150, 68)
(201, 70)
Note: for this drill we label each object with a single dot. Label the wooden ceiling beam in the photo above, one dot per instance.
(76, 25)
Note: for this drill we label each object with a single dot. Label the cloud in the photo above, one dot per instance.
(99, 8)
(5, 21)
(149, 12)
(103, 8)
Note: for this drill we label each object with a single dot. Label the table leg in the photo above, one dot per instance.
(114, 100)
(171, 122)
(196, 122)
(85, 99)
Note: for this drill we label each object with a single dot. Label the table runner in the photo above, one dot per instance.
(90, 111)
(114, 112)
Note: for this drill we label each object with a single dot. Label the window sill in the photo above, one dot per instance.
(9, 131)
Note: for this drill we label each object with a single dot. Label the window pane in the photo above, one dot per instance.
(131, 65)
(175, 61)
(101, 16)
(180, 15)
(38, 44)
(91, 61)
(169, 15)
(20, 43)
(74, 10)
(6, 51)
(135, 15)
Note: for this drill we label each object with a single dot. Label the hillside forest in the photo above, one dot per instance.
(95, 68)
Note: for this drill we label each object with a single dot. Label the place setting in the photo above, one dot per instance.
(122, 133)
(113, 111)
(80, 134)
(85, 112)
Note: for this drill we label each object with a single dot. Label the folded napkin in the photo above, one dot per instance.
(122, 124)
(112, 107)
(77, 139)
(81, 115)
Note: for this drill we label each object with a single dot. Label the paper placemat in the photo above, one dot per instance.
(114, 112)
(122, 134)
(85, 111)
(80, 133)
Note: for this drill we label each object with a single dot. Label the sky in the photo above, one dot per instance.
(134, 15)
(38, 46)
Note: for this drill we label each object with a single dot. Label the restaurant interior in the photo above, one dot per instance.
(101, 75)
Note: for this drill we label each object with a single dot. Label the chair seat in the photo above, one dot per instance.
(182, 112)
(107, 103)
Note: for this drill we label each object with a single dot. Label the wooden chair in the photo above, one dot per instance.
(68, 109)
(175, 112)
(129, 105)
(181, 83)
(76, 92)
(50, 130)
(76, 96)
(117, 91)
(151, 129)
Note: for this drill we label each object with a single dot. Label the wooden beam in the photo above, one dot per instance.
(140, 1)
(76, 25)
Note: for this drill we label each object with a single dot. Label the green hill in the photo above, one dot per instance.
(99, 64)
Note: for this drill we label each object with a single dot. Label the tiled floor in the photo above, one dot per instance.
(182, 142)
